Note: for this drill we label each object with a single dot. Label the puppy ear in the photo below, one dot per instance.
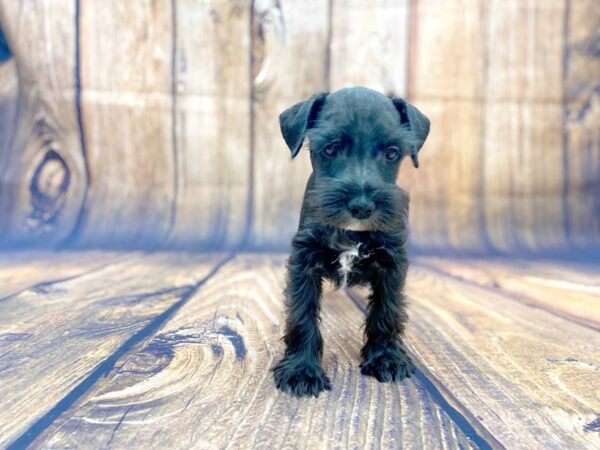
(416, 121)
(295, 120)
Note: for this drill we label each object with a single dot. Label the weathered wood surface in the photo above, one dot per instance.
(447, 50)
(582, 119)
(9, 89)
(127, 121)
(531, 379)
(507, 343)
(55, 338)
(212, 122)
(34, 269)
(204, 381)
(43, 176)
(8, 110)
(155, 123)
(523, 169)
(568, 290)
(283, 74)
(369, 45)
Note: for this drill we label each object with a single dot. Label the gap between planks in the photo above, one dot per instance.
(463, 418)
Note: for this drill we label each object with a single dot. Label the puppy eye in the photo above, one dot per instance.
(332, 149)
(392, 153)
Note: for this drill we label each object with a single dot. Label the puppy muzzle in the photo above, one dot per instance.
(356, 206)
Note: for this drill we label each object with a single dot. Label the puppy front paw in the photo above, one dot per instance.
(388, 364)
(300, 378)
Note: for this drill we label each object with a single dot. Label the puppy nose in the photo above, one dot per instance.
(361, 207)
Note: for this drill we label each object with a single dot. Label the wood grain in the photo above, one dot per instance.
(204, 381)
(34, 268)
(9, 85)
(42, 177)
(53, 337)
(290, 65)
(126, 51)
(369, 45)
(532, 379)
(447, 54)
(523, 163)
(581, 163)
(179, 144)
(571, 291)
(212, 122)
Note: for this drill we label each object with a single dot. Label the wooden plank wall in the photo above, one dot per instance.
(43, 172)
(156, 124)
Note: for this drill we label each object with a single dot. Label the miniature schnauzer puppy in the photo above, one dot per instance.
(353, 228)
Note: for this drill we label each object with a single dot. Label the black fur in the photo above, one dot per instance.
(357, 139)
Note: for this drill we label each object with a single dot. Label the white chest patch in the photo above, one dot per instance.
(347, 260)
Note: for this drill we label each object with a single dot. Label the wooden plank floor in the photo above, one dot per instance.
(174, 350)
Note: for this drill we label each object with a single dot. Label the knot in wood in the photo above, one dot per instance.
(49, 186)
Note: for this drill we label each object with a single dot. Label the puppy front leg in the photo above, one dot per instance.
(299, 372)
(382, 355)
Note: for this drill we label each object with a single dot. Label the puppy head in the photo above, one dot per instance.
(358, 137)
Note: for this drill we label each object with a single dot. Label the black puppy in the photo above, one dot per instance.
(353, 228)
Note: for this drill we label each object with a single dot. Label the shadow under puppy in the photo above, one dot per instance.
(353, 228)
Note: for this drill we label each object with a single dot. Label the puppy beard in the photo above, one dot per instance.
(329, 198)
(358, 225)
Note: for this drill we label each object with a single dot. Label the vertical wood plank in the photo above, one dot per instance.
(290, 64)
(446, 80)
(9, 86)
(582, 123)
(212, 117)
(126, 52)
(523, 164)
(42, 176)
(9, 90)
(369, 45)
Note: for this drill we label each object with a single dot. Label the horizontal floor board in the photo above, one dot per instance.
(27, 269)
(567, 289)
